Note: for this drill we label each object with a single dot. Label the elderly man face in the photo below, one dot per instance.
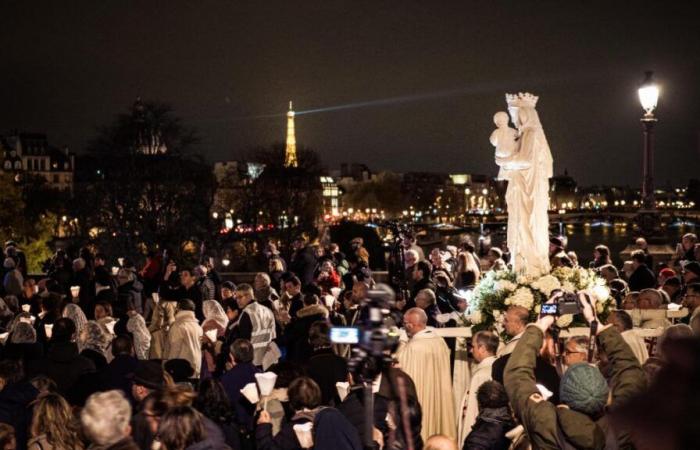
(574, 352)
(414, 323)
(410, 259)
(513, 320)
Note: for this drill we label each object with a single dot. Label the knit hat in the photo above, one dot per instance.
(584, 389)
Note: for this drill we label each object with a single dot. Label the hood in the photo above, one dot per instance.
(579, 429)
(312, 310)
(497, 415)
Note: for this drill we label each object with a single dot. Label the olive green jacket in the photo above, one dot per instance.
(541, 418)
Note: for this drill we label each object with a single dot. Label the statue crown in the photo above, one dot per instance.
(522, 99)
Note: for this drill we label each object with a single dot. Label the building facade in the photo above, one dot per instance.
(29, 154)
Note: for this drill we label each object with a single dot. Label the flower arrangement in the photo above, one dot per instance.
(497, 291)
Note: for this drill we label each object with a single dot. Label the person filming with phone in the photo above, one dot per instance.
(580, 421)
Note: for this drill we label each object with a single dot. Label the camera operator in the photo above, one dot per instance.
(581, 421)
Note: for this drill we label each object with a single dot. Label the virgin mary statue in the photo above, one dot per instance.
(528, 170)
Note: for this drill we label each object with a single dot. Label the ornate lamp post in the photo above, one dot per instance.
(648, 96)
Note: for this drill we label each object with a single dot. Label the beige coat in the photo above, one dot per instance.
(163, 318)
(426, 359)
(184, 340)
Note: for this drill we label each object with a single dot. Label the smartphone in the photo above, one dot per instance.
(345, 335)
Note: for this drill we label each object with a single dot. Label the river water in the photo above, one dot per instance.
(582, 238)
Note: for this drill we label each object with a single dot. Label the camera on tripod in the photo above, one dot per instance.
(375, 337)
(565, 303)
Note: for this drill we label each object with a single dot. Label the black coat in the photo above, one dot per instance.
(15, 399)
(642, 278)
(296, 337)
(65, 366)
(303, 264)
(286, 439)
(326, 368)
(488, 433)
(117, 374)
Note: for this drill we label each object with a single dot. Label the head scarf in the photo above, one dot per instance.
(95, 338)
(213, 311)
(136, 325)
(73, 312)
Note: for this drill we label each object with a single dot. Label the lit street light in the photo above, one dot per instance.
(648, 97)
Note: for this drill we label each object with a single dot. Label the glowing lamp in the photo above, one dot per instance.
(649, 94)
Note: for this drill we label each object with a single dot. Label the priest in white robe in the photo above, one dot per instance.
(426, 359)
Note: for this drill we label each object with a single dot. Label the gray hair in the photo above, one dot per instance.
(23, 333)
(106, 417)
(580, 342)
(429, 294)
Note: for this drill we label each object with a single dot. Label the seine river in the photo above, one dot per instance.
(583, 238)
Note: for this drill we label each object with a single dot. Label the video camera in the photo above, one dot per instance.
(375, 336)
(566, 303)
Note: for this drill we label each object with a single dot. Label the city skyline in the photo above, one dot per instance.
(398, 83)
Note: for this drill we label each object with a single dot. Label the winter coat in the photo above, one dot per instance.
(15, 410)
(233, 381)
(296, 337)
(489, 430)
(184, 340)
(543, 421)
(13, 283)
(163, 318)
(65, 366)
(303, 264)
(326, 368)
(642, 278)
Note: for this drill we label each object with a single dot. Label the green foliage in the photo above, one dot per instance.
(128, 201)
(36, 247)
(13, 223)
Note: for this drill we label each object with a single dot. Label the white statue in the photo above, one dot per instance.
(528, 169)
(504, 139)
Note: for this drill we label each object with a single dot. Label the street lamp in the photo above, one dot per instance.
(648, 97)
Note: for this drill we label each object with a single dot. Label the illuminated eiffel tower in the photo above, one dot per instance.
(290, 154)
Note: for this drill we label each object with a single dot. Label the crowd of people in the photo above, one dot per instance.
(103, 354)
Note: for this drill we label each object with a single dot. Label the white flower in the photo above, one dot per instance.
(546, 284)
(601, 293)
(505, 285)
(568, 286)
(476, 317)
(521, 297)
(565, 320)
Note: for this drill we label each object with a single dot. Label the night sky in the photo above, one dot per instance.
(70, 66)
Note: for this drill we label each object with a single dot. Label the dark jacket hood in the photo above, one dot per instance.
(312, 310)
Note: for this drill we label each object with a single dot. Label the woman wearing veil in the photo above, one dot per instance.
(528, 171)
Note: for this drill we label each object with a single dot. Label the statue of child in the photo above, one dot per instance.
(504, 139)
